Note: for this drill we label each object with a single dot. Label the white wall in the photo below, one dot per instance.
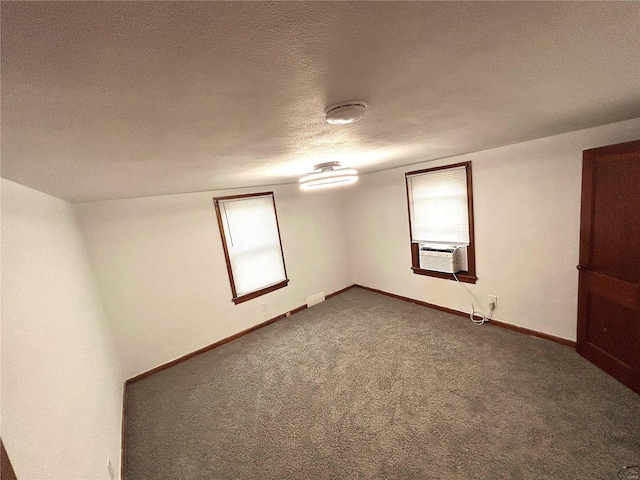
(61, 380)
(162, 275)
(527, 222)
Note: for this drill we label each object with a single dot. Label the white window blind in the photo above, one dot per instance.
(253, 243)
(438, 206)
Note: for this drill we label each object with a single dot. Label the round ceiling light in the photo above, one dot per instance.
(345, 113)
(329, 174)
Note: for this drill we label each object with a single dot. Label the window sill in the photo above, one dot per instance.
(464, 277)
(262, 291)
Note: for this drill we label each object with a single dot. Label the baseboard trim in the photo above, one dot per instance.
(497, 323)
(534, 333)
(235, 336)
(184, 358)
(202, 350)
(342, 290)
(219, 343)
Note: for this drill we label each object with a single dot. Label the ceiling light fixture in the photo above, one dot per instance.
(328, 174)
(345, 113)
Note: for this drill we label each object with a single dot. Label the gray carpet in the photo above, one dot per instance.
(366, 386)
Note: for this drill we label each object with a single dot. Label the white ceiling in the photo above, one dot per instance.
(122, 99)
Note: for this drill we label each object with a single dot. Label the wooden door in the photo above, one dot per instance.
(6, 470)
(609, 291)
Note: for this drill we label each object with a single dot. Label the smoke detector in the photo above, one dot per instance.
(345, 113)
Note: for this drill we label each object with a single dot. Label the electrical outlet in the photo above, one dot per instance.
(112, 474)
(264, 307)
(493, 300)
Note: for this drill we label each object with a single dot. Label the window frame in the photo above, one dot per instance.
(468, 276)
(270, 288)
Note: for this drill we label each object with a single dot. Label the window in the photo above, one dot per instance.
(251, 242)
(440, 204)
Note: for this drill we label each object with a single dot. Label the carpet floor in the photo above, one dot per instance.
(367, 386)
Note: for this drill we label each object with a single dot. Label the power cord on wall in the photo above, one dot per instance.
(478, 321)
(492, 306)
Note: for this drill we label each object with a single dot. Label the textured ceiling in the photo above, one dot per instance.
(121, 99)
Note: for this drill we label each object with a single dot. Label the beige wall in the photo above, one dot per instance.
(162, 276)
(61, 380)
(159, 267)
(527, 221)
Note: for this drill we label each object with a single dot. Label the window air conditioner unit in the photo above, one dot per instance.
(440, 259)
